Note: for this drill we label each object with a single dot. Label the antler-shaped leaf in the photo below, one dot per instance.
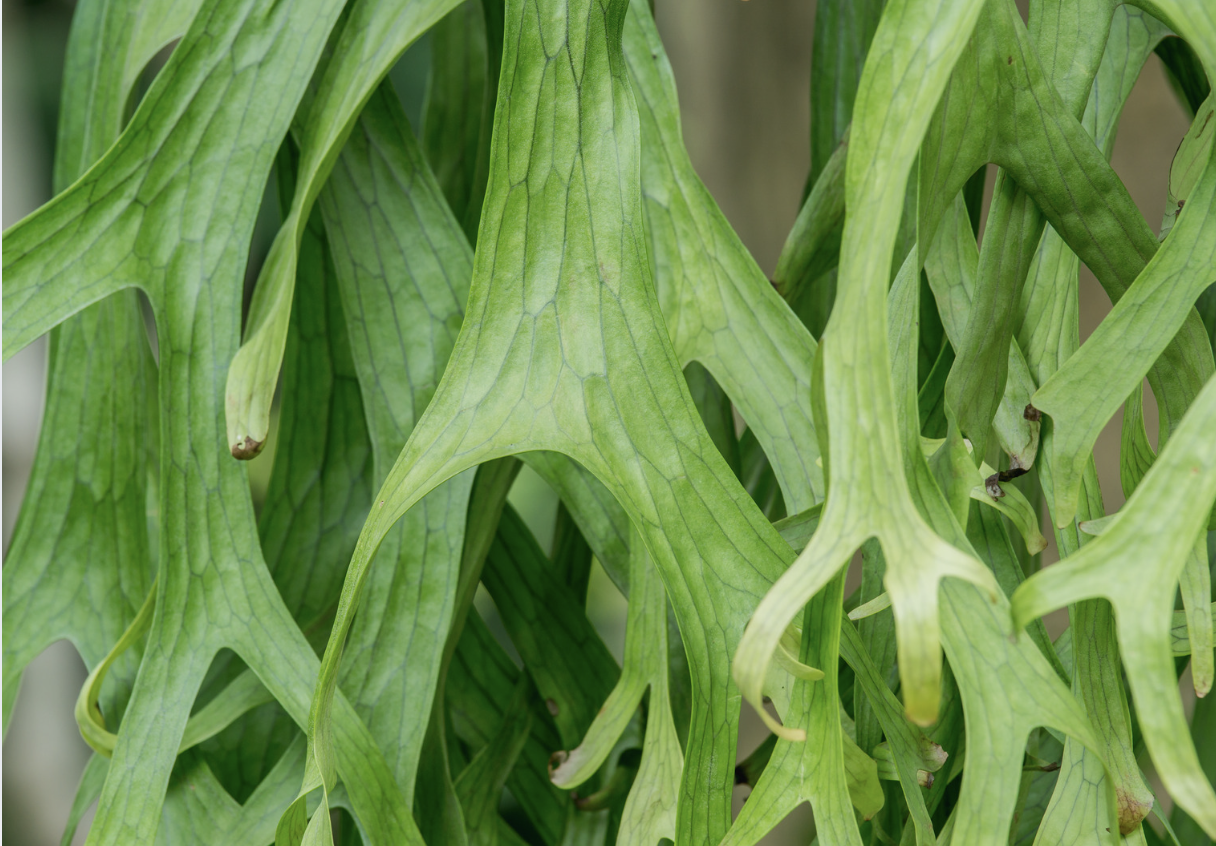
(1035, 136)
(1034, 105)
(83, 520)
(801, 769)
(650, 810)
(402, 269)
(1156, 528)
(911, 57)
(976, 637)
(167, 209)
(373, 36)
(1049, 335)
(721, 311)
(1115, 360)
(564, 348)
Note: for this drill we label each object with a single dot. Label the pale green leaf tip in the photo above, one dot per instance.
(922, 716)
(795, 735)
(1201, 679)
(809, 673)
(247, 413)
(789, 663)
(869, 609)
(1066, 510)
(564, 767)
(934, 756)
(1097, 526)
(560, 769)
(921, 702)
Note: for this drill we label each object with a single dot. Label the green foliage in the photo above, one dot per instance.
(543, 278)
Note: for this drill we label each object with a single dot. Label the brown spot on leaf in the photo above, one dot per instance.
(1011, 60)
(1132, 808)
(1032, 414)
(556, 760)
(551, 704)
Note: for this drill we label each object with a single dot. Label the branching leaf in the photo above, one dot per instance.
(650, 811)
(373, 35)
(1158, 524)
(525, 373)
(1111, 363)
(871, 498)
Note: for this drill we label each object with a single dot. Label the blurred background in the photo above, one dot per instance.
(742, 71)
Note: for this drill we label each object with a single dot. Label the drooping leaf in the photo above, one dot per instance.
(402, 307)
(372, 36)
(83, 520)
(650, 811)
(518, 380)
(720, 309)
(1167, 510)
(138, 217)
(1108, 366)
(481, 782)
(952, 266)
(871, 496)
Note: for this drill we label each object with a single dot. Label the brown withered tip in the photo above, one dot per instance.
(247, 449)
(992, 486)
(551, 704)
(1132, 809)
(1032, 414)
(556, 760)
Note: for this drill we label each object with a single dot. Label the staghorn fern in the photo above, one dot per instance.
(543, 278)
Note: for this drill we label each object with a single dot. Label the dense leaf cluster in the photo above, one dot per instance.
(541, 277)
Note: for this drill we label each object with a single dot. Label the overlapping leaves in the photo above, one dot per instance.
(602, 268)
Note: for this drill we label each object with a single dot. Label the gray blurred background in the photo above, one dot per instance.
(742, 71)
